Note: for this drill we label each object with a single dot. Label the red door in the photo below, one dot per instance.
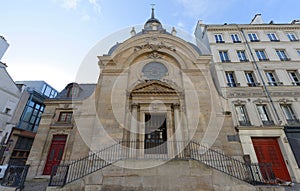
(268, 151)
(56, 152)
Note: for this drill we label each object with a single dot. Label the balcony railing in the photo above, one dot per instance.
(293, 122)
(264, 59)
(296, 83)
(275, 83)
(285, 59)
(233, 84)
(253, 84)
(15, 176)
(268, 123)
(244, 123)
(226, 60)
(244, 60)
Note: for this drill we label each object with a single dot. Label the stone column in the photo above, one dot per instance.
(178, 128)
(134, 127)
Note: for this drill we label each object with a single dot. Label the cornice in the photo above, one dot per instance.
(248, 92)
(232, 27)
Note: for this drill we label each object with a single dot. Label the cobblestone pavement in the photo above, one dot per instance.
(36, 185)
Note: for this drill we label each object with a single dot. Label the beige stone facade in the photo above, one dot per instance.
(256, 69)
(153, 88)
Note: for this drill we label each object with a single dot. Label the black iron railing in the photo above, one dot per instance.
(178, 150)
(15, 176)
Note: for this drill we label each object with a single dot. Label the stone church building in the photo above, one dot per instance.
(154, 121)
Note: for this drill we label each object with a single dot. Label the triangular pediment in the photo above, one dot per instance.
(153, 87)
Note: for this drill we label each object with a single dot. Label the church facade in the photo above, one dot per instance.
(154, 97)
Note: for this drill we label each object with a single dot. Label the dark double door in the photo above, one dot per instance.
(155, 133)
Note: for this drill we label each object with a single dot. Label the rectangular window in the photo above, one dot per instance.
(253, 37)
(242, 55)
(264, 115)
(242, 115)
(272, 37)
(31, 116)
(261, 55)
(292, 36)
(219, 38)
(231, 79)
(65, 117)
(298, 51)
(282, 55)
(272, 80)
(251, 79)
(235, 38)
(224, 56)
(294, 76)
(289, 114)
(24, 143)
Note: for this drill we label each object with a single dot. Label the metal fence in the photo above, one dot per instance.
(15, 176)
(176, 150)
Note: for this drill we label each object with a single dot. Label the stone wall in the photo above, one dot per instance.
(173, 175)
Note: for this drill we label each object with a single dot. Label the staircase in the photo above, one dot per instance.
(255, 174)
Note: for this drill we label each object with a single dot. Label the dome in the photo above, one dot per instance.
(153, 23)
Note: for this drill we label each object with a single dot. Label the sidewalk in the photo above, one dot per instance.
(36, 185)
(296, 187)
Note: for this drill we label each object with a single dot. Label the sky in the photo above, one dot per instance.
(50, 40)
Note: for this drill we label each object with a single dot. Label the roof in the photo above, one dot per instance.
(85, 91)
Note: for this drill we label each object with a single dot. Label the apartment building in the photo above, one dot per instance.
(256, 69)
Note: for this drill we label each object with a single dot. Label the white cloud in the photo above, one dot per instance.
(70, 4)
(96, 6)
(81, 5)
(180, 24)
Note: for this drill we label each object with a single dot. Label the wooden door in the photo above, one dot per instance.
(55, 153)
(268, 151)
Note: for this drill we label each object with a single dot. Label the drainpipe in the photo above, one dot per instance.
(261, 78)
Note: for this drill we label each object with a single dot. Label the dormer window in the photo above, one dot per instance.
(73, 91)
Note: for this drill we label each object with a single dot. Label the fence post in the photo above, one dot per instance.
(66, 176)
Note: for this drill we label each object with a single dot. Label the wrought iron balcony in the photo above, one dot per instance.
(285, 59)
(268, 123)
(275, 83)
(244, 123)
(296, 83)
(226, 60)
(253, 84)
(233, 84)
(244, 60)
(293, 122)
(264, 59)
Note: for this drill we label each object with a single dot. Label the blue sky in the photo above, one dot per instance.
(49, 39)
